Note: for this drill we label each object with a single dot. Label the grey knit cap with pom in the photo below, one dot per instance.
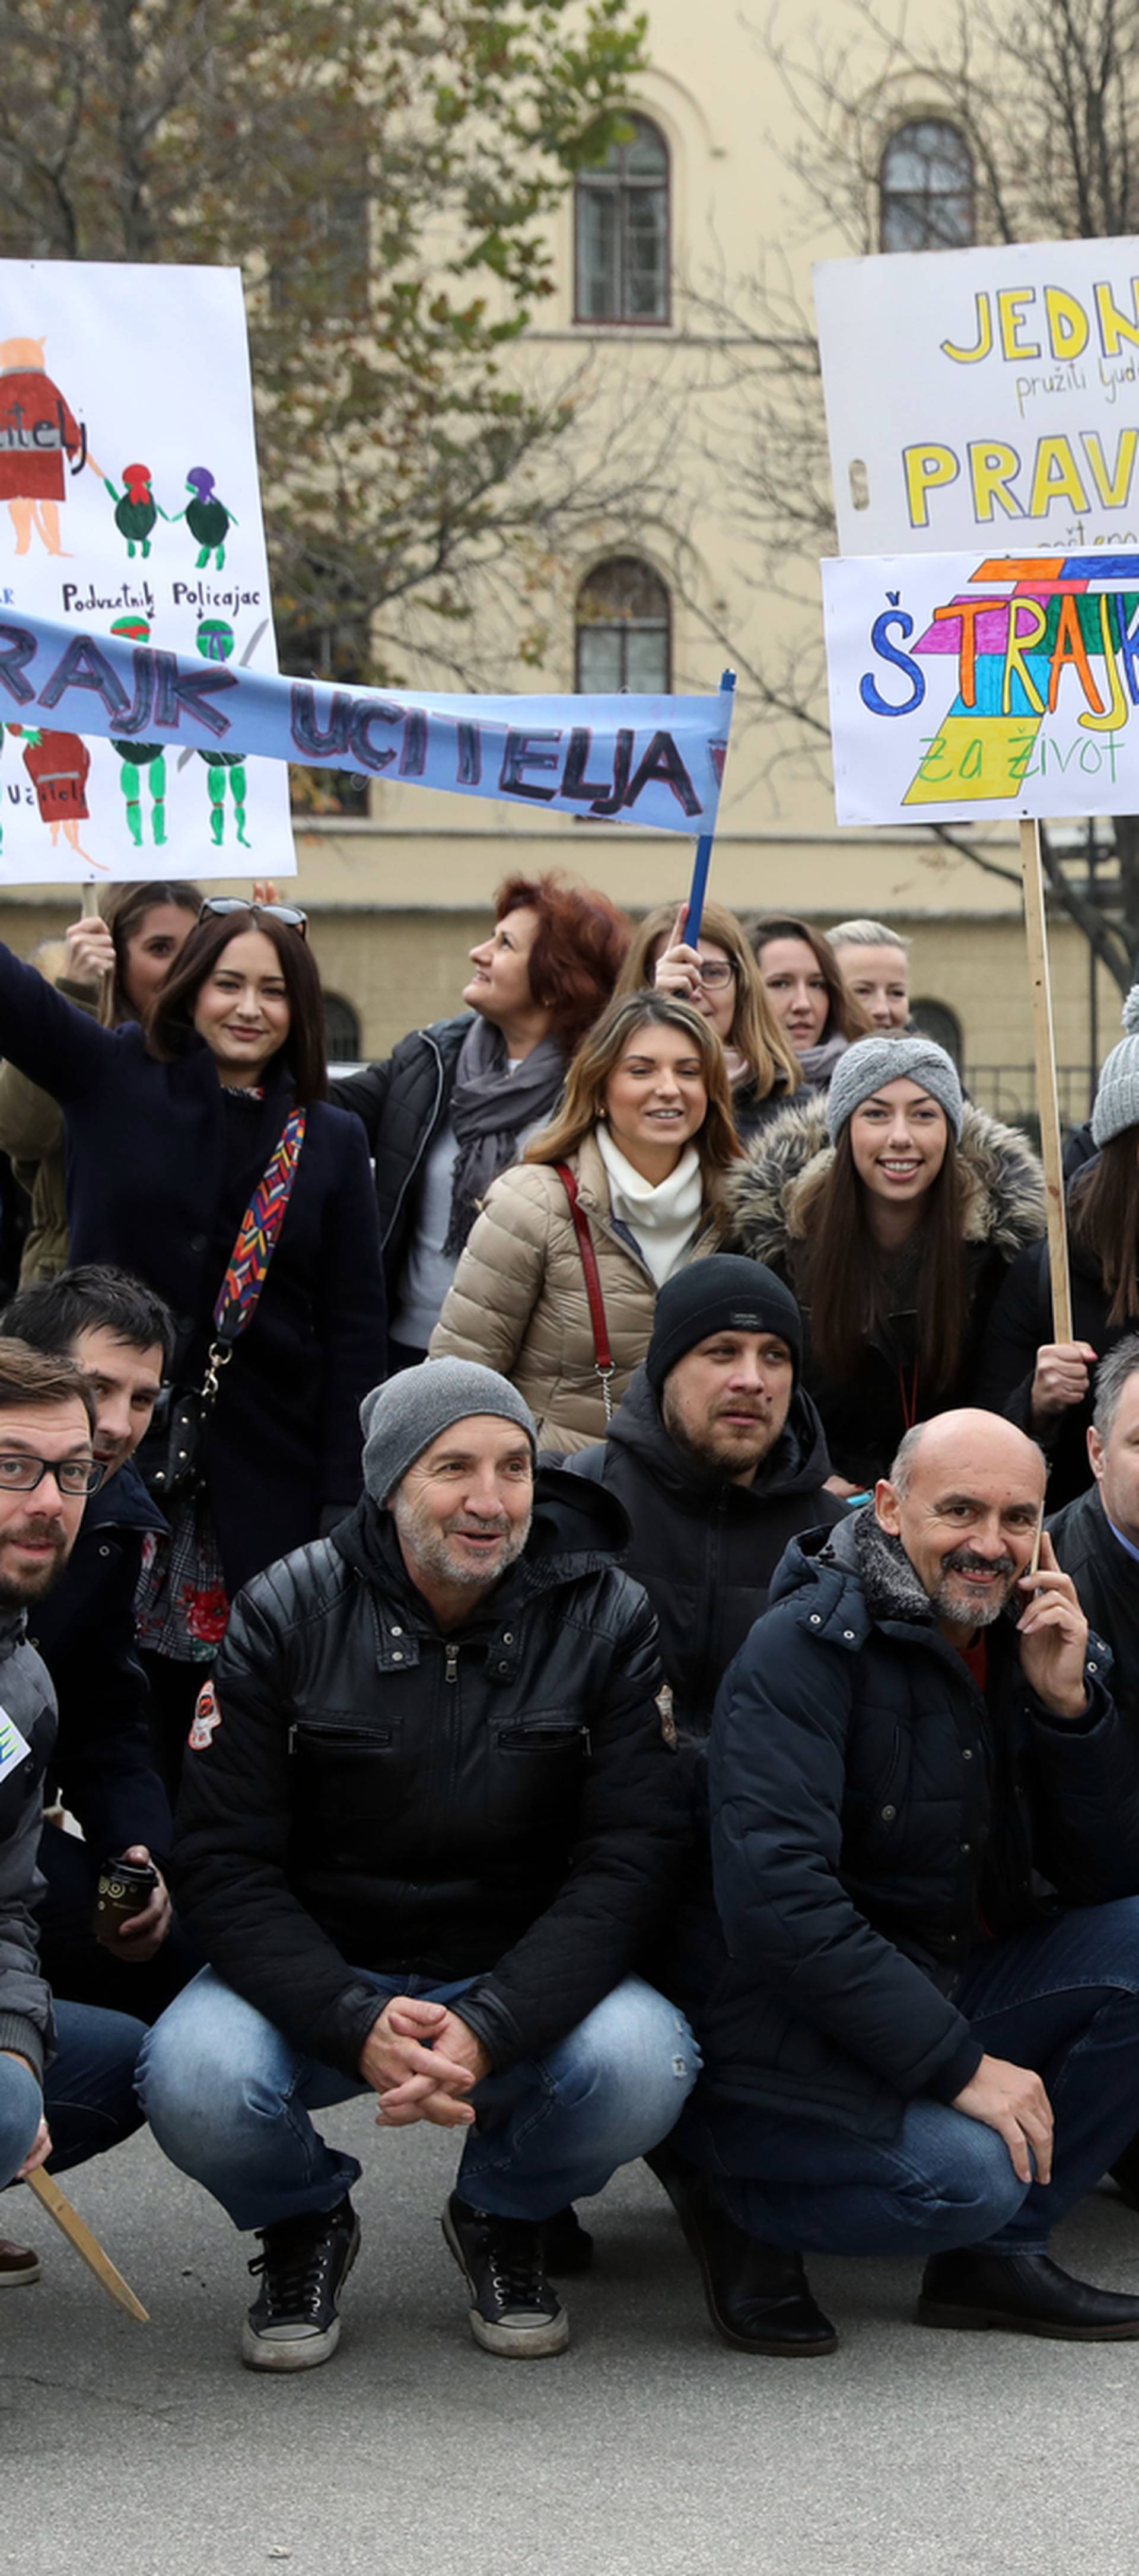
(1117, 1091)
(400, 1419)
(871, 1063)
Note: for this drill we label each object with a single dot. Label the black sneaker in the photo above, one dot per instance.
(514, 2310)
(569, 2245)
(294, 2322)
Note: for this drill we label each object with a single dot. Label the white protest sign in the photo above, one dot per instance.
(984, 397)
(965, 687)
(129, 504)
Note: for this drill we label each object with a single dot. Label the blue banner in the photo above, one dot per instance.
(656, 761)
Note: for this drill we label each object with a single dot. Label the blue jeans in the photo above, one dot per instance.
(88, 2097)
(229, 2100)
(1063, 1999)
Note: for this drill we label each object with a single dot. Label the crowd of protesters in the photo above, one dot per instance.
(563, 1580)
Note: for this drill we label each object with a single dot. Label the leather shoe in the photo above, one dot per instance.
(18, 2265)
(759, 2298)
(1024, 2293)
(1125, 2173)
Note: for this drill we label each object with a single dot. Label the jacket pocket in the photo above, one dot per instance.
(345, 1768)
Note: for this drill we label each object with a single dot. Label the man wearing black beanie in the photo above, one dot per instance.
(719, 1458)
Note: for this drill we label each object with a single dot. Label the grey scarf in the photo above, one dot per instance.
(490, 1108)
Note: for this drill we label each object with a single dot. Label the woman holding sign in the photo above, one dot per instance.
(557, 1287)
(203, 1157)
(722, 981)
(893, 1211)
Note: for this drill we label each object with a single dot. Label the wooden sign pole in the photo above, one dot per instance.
(1044, 1050)
(58, 2206)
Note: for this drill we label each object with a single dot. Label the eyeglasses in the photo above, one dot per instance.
(20, 1475)
(288, 912)
(715, 973)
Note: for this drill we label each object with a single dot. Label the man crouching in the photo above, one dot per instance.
(429, 1823)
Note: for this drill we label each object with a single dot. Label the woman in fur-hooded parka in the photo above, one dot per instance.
(773, 1202)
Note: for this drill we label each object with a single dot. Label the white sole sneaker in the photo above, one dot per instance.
(508, 2342)
(281, 2350)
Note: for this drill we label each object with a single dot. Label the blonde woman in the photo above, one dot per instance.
(646, 1137)
(721, 979)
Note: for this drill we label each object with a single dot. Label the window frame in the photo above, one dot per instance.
(622, 626)
(888, 196)
(619, 185)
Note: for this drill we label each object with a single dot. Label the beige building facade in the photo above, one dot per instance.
(645, 323)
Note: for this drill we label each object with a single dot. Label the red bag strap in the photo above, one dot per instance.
(602, 1354)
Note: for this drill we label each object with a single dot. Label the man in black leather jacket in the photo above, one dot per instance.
(429, 1824)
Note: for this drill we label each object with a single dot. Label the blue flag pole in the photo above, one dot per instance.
(704, 844)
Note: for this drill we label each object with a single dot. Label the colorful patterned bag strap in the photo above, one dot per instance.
(253, 1251)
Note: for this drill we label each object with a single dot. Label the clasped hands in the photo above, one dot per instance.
(422, 2061)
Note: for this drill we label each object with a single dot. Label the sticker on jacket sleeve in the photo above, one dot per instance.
(14, 1747)
(207, 1718)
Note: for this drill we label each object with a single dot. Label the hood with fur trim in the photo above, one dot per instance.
(771, 1195)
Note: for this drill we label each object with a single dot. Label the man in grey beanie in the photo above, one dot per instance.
(429, 1822)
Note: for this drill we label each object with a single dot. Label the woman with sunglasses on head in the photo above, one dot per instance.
(640, 1147)
(110, 966)
(722, 981)
(807, 993)
(173, 1124)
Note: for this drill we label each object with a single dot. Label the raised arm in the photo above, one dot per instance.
(57, 1045)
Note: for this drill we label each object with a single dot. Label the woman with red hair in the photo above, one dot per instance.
(456, 1103)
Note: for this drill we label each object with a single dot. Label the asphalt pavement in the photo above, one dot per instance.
(646, 2450)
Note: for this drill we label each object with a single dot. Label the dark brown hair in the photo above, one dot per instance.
(171, 1014)
(1103, 1217)
(845, 1017)
(124, 909)
(583, 1101)
(41, 1377)
(579, 948)
(838, 1272)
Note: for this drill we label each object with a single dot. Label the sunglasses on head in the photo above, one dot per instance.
(219, 904)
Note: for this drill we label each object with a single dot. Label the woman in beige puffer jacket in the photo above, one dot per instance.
(646, 1130)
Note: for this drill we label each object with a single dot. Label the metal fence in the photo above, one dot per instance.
(1009, 1091)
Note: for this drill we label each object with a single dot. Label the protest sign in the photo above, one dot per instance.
(966, 687)
(984, 397)
(129, 504)
(644, 760)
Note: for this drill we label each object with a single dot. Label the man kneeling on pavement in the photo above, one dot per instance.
(920, 2018)
(429, 1824)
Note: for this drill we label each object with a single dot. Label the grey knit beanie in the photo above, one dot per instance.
(1117, 1091)
(400, 1419)
(871, 1063)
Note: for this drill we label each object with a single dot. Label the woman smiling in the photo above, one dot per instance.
(894, 1210)
(639, 1149)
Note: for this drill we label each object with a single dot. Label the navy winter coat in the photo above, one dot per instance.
(150, 1186)
(874, 1816)
(103, 1766)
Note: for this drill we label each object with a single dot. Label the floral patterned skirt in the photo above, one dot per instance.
(181, 1605)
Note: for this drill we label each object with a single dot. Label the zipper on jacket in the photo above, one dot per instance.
(451, 1673)
(425, 1140)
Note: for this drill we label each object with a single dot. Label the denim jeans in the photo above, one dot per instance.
(1063, 1999)
(88, 2097)
(230, 2101)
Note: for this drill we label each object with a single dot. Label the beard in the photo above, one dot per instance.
(718, 1443)
(972, 1612)
(18, 1591)
(425, 1542)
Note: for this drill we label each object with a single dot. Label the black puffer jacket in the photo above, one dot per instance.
(772, 1198)
(1107, 1581)
(380, 1795)
(1019, 1324)
(403, 1102)
(103, 1767)
(869, 1806)
(704, 1548)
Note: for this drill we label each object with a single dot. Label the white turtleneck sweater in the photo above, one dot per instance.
(665, 1218)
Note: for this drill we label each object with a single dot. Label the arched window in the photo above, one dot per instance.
(937, 1021)
(341, 1030)
(621, 231)
(926, 184)
(622, 629)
